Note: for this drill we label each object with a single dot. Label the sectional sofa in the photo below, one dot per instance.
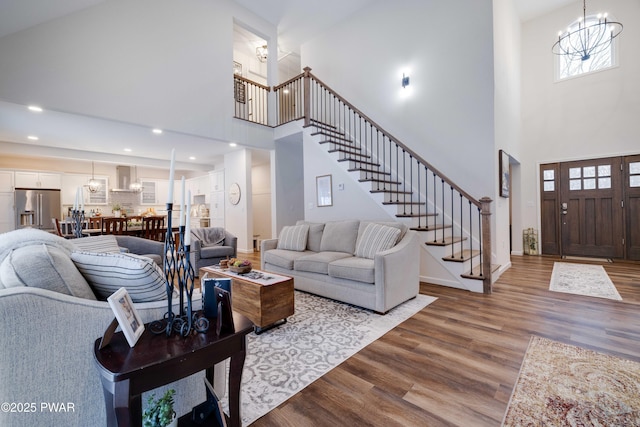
(374, 265)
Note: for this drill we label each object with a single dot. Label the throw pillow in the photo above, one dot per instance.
(46, 267)
(293, 237)
(376, 238)
(108, 272)
(97, 244)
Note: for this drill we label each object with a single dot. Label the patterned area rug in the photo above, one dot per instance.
(582, 279)
(318, 337)
(564, 385)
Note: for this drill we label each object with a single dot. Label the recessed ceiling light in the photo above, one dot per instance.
(128, 150)
(157, 131)
(35, 108)
(192, 158)
(33, 137)
(233, 144)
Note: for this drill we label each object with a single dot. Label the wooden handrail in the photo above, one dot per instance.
(291, 80)
(246, 80)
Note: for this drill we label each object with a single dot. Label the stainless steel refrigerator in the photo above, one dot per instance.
(36, 208)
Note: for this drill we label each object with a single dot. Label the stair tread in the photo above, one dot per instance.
(446, 241)
(343, 138)
(465, 255)
(399, 202)
(385, 190)
(475, 273)
(415, 215)
(368, 171)
(351, 153)
(379, 180)
(362, 162)
(431, 227)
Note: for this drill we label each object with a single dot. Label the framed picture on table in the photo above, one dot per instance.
(126, 315)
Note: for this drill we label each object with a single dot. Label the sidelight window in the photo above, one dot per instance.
(634, 174)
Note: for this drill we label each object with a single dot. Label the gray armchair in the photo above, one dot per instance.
(209, 245)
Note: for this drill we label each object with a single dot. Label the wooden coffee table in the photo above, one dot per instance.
(267, 302)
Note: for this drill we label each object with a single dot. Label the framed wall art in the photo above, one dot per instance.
(503, 161)
(324, 196)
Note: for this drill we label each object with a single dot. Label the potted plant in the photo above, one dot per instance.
(116, 209)
(160, 413)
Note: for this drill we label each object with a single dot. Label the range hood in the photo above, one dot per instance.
(123, 180)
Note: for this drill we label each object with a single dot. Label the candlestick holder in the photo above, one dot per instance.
(77, 221)
(177, 265)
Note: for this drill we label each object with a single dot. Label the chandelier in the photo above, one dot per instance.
(586, 37)
(261, 53)
(94, 184)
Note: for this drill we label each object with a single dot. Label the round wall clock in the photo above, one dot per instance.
(234, 193)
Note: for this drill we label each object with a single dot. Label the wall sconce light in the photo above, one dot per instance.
(405, 81)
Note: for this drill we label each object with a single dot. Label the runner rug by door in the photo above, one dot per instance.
(582, 279)
(564, 385)
(318, 337)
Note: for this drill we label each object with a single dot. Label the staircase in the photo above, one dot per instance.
(454, 226)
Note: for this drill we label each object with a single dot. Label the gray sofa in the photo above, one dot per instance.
(209, 245)
(374, 265)
(50, 320)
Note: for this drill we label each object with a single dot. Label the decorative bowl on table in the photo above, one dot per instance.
(239, 266)
(240, 269)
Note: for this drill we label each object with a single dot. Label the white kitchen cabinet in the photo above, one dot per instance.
(149, 195)
(216, 180)
(6, 181)
(38, 180)
(70, 184)
(199, 186)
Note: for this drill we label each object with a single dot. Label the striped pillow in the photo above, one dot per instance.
(100, 244)
(108, 272)
(293, 237)
(376, 238)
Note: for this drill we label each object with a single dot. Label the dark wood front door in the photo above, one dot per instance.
(582, 206)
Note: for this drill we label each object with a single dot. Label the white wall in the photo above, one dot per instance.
(448, 48)
(239, 218)
(261, 194)
(508, 124)
(586, 117)
(159, 63)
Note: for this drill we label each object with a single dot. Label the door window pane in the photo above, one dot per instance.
(634, 167)
(604, 182)
(575, 172)
(548, 175)
(590, 184)
(604, 170)
(549, 186)
(575, 184)
(634, 181)
(589, 171)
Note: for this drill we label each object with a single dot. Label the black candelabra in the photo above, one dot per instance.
(77, 218)
(177, 265)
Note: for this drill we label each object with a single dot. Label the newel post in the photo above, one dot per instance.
(485, 212)
(307, 95)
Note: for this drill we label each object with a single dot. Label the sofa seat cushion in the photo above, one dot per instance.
(340, 236)
(216, 252)
(108, 272)
(282, 258)
(46, 267)
(318, 262)
(353, 268)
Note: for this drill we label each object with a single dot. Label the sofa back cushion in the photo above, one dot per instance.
(293, 237)
(108, 272)
(340, 236)
(44, 266)
(314, 239)
(376, 238)
(209, 236)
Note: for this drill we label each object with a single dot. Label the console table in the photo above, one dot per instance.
(156, 360)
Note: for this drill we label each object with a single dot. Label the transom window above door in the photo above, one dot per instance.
(590, 178)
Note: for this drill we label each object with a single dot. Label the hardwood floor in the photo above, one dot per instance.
(455, 363)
